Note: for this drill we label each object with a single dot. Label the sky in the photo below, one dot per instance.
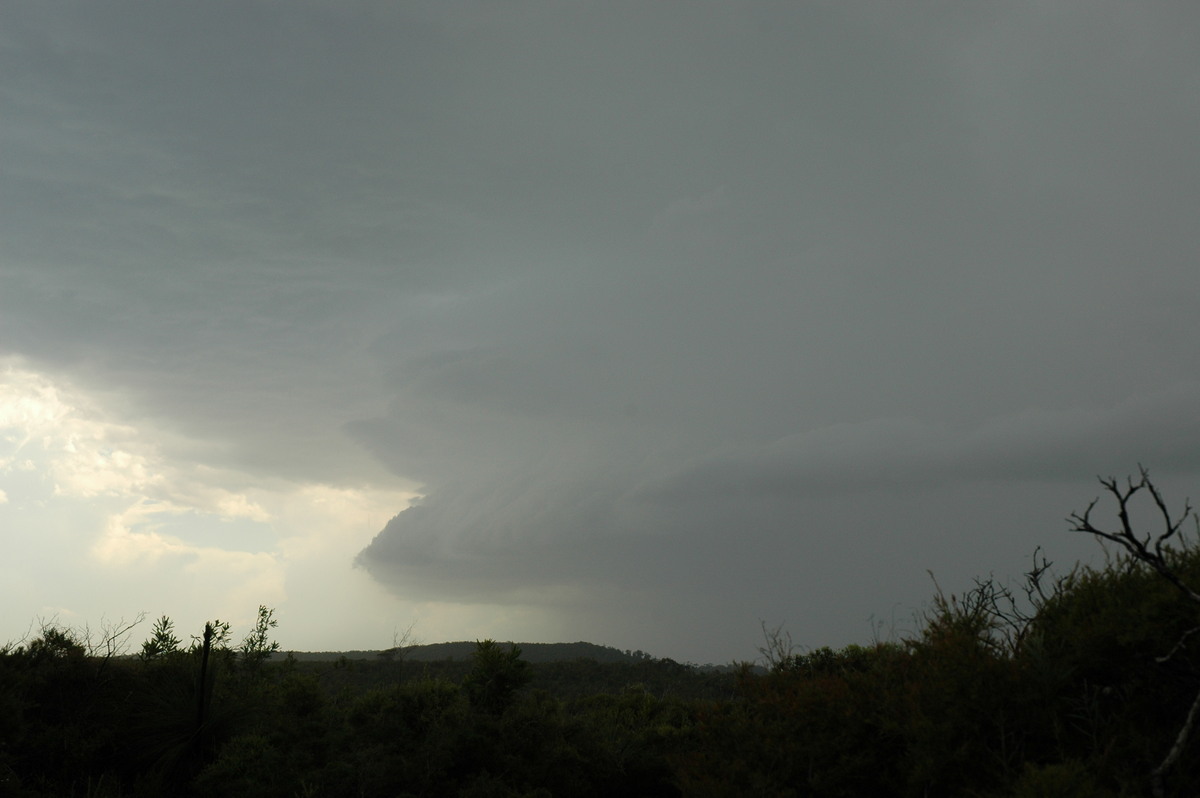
(645, 324)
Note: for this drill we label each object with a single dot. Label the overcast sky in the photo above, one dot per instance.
(637, 323)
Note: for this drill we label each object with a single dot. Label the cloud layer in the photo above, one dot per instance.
(678, 318)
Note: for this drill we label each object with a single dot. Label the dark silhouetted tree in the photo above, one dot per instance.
(1157, 552)
(162, 640)
(495, 676)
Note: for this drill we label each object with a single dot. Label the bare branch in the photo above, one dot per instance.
(1155, 552)
(1156, 775)
(114, 637)
(1172, 527)
(1180, 645)
(777, 648)
(1148, 550)
(1033, 579)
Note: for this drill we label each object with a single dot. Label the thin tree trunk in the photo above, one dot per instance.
(1156, 776)
(202, 692)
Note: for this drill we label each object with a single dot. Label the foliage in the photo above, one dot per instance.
(162, 641)
(495, 676)
(258, 646)
(1059, 686)
(218, 637)
(1069, 779)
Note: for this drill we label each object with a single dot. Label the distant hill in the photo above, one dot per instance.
(441, 652)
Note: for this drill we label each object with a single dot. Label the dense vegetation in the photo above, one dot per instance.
(1078, 685)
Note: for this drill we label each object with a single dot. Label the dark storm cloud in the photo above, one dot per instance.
(884, 292)
(656, 303)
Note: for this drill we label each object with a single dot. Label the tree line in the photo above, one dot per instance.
(1078, 684)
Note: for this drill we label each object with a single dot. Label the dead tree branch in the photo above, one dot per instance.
(1148, 549)
(1154, 551)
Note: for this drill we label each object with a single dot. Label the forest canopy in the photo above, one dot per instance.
(1077, 683)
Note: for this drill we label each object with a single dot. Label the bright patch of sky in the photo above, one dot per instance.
(93, 508)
